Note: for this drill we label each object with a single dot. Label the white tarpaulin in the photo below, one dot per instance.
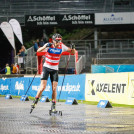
(17, 29)
(8, 31)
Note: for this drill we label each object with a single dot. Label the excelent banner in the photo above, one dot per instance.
(17, 29)
(8, 31)
(74, 86)
(67, 19)
(115, 87)
(114, 18)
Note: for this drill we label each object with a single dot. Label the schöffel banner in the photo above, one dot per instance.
(67, 19)
(74, 86)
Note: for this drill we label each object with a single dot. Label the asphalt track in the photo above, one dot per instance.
(15, 118)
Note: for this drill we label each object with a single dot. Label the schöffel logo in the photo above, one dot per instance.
(105, 87)
(41, 18)
(76, 17)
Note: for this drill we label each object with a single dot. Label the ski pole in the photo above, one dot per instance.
(64, 76)
(31, 83)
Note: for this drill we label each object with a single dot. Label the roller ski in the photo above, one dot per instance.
(33, 105)
(53, 110)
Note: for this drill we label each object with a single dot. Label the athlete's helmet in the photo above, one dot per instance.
(57, 37)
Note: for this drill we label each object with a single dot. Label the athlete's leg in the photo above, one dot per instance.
(54, 81)
(42, 88)
(44, 77)
(54, 92)
(39, 93)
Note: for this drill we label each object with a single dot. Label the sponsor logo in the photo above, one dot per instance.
(70, 88)
(40, 18)
(105, 87)
(47, 89)
(102, 103)
(76, 17)
(3, 87)
(112, 19)
(55, 50)
(19, 86)
(69, 100)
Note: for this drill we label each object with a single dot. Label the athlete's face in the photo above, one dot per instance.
(56, 42)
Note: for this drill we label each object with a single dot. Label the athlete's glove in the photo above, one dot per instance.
(49, 45)
(72, 46)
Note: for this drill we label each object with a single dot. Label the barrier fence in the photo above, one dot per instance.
(115, 87)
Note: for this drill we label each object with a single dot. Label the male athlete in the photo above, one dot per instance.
(53, 54)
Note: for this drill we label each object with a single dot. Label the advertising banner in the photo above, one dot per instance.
(131, 89)
(36, 85)
(115, 87)
(17, 29)
(62, 20)
(73, 86)
(8, 31)
(114, 18)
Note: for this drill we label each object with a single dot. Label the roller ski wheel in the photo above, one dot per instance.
(51, 113)
(33, 105)
(31, 110)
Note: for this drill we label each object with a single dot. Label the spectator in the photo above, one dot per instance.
(17, 67)
(37, 41)
(13, 69)
(7, 69)
(24, 50)
(45, 40)
(41, 43)
(35, 46)
(19, 53)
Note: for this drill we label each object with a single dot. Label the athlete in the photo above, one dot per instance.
(50, 67)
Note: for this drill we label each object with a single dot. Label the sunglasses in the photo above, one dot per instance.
(58, 40)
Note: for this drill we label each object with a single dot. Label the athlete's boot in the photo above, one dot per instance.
(53, 107)
(34, 103)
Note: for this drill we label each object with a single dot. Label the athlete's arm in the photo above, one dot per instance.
(44, 47)
(71, 51)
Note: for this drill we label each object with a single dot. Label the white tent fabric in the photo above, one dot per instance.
(16, 29)
(8, 31)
